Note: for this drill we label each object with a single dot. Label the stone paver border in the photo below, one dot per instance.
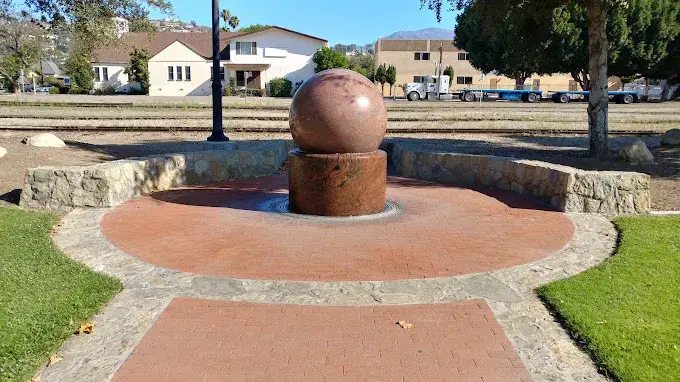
(544, 347)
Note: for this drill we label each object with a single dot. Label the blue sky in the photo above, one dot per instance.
(340, 21)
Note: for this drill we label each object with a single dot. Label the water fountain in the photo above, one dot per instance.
(338, 121)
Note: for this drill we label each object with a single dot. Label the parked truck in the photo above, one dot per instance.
(429, 88)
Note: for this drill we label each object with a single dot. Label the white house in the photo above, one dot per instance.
(181, 63)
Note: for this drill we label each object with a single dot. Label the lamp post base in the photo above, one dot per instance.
(218, 138)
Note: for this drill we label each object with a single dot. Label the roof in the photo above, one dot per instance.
(285, 30)
(49, 68)
(199, 42)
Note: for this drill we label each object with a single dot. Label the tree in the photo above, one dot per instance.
(598, 48)
(229, 20)
(326, 58)
(21, 44)
(254, 28)
(138, 69)
(509, 51)
(381, 76)
(449, 71)
(91, 22)
(364, 64)
(143, 25)
(79, 68)
(391, 76)
(340, 48)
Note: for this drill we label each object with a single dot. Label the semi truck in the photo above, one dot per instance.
(428, 88)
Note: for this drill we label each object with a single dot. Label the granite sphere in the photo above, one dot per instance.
(338, 111)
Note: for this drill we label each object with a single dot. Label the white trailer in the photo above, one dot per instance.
(429, 88)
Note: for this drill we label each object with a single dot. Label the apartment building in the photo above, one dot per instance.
(417, 58)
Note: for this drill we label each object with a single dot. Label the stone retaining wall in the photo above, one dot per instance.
(111, 183)
(565, 188)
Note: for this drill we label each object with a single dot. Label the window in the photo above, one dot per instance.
(179, 73)
(221, 73)
(464, 80)
(246, 48)
(421, 56)
(105, 72)
(187, 73)
(171, 73)
(97, 77)
(417, 79)
(463, 56)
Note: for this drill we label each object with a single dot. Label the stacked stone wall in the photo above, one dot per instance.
(565, 188)
(111, 183)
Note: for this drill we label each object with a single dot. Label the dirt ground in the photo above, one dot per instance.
(85, 148)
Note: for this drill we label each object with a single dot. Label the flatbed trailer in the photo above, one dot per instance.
(470, 95)
(623, 97)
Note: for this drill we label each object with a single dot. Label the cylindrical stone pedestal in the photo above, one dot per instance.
(350, 184)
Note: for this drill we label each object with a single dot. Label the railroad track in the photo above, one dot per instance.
(416, 130)
(280, 118)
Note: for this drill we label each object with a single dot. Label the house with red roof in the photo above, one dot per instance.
(181, 63)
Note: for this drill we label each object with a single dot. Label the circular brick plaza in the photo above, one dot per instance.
(222, 230)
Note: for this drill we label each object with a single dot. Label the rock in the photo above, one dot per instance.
(44, 140)
(3, 152)
(636, 152)
(671, 138)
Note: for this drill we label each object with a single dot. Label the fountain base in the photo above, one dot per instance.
(352, 184)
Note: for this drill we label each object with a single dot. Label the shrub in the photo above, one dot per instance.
(54, 91)
(75, 89)
(105, 90)
(136, 91)
(297, 86)
(280, 87)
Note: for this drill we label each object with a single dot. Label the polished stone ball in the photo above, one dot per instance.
(338, 111)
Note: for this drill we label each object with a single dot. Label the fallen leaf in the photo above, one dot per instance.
(85, 328)
(405, 325)
(35, 378)
(54, 359)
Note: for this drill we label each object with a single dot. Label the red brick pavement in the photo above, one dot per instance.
(445, 231)
(204, 340)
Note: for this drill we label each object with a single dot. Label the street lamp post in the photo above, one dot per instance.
(217, 130)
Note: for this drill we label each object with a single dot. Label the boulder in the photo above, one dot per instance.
(671, 138)
(3, 152)
(44, 140)
(636, 153)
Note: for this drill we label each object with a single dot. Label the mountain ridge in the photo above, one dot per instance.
(423, 34)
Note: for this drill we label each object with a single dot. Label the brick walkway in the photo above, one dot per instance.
(204, 340)
(445, 231)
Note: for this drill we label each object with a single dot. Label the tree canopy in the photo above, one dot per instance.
(327, 58)
(647, 19)
(254, 28)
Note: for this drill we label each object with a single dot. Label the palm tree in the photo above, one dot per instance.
(233, 22)
(225, 16)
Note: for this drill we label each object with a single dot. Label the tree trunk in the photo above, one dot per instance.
(598, 107)
(382, 89)
(665, 93)
(391, 89)
(519, 81)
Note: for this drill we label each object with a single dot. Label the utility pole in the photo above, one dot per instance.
(217, 129)
(439, 81)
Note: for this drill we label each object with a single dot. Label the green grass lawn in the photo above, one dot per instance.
(627, 310)
(44, 296)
